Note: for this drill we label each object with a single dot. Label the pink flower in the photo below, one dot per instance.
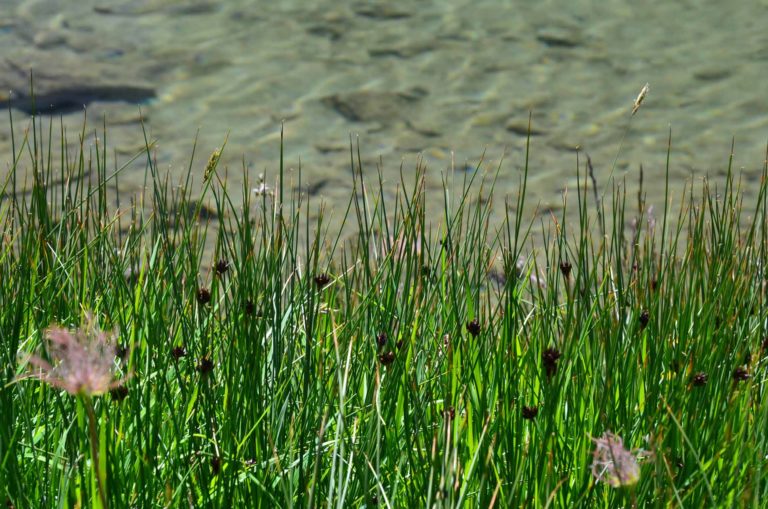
(83, 360)
(614, 464)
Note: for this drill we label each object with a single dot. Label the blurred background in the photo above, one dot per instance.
(444, 81)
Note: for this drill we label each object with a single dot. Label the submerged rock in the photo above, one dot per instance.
(520, 127)
(75, 98)
(712, 74)
(403, 50)
(372, 106)
(67, 85)
(559, 37)
(381, 11)
(143, 8)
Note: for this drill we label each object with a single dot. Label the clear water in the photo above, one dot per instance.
(445, 81)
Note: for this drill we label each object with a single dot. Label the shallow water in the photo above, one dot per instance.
(446, 81)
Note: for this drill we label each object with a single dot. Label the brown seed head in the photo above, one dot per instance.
(215, 465)
(204, 365)
(473, 327)
(740, 374)
(119, 393)
(565, 268)
(121, 351)
(222, 266)
(549, 358)
(530, 412)
(249, 307)
(644, 317)
(381, 339)
(322, 280)
(203, 296)
(387, 358)
(700, 379)
(178, 352)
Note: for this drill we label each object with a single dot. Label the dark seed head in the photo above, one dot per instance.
(764, 345)
(449, 413)
(178, 352)
(119, 393)
(381, 339)
(654, 284)
(204, 366)
(399, 344)
(700, 379)
(473, 327)
(530, 412)
(249, 307)
(203, 296)
(215, 465)
(222, 266)
(549, 358)
(644, 317)
(374, 500)
(387, 358)
(740, 375)
(121, 351)
(565, 268)
(322, 280)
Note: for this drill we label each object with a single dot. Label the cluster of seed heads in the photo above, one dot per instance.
(222, 266)
(203, 296)
(700, 379)
(473, 327)
(549, 359)
(530, 412)
(322, 280)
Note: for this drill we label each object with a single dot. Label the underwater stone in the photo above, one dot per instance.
(68, 86)
(560, 37)
(520, 127)
(381, 11)
(372, 106)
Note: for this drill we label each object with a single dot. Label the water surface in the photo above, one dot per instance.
(444, 81)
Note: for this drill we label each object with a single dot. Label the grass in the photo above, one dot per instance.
(422, 362)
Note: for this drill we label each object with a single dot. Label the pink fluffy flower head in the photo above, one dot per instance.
(83, 360)
(613, 464)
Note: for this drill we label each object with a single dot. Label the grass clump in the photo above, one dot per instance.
(423, 362)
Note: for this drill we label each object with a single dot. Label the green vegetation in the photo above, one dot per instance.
(418, 363)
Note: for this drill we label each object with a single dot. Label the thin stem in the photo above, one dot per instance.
(94, 438)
